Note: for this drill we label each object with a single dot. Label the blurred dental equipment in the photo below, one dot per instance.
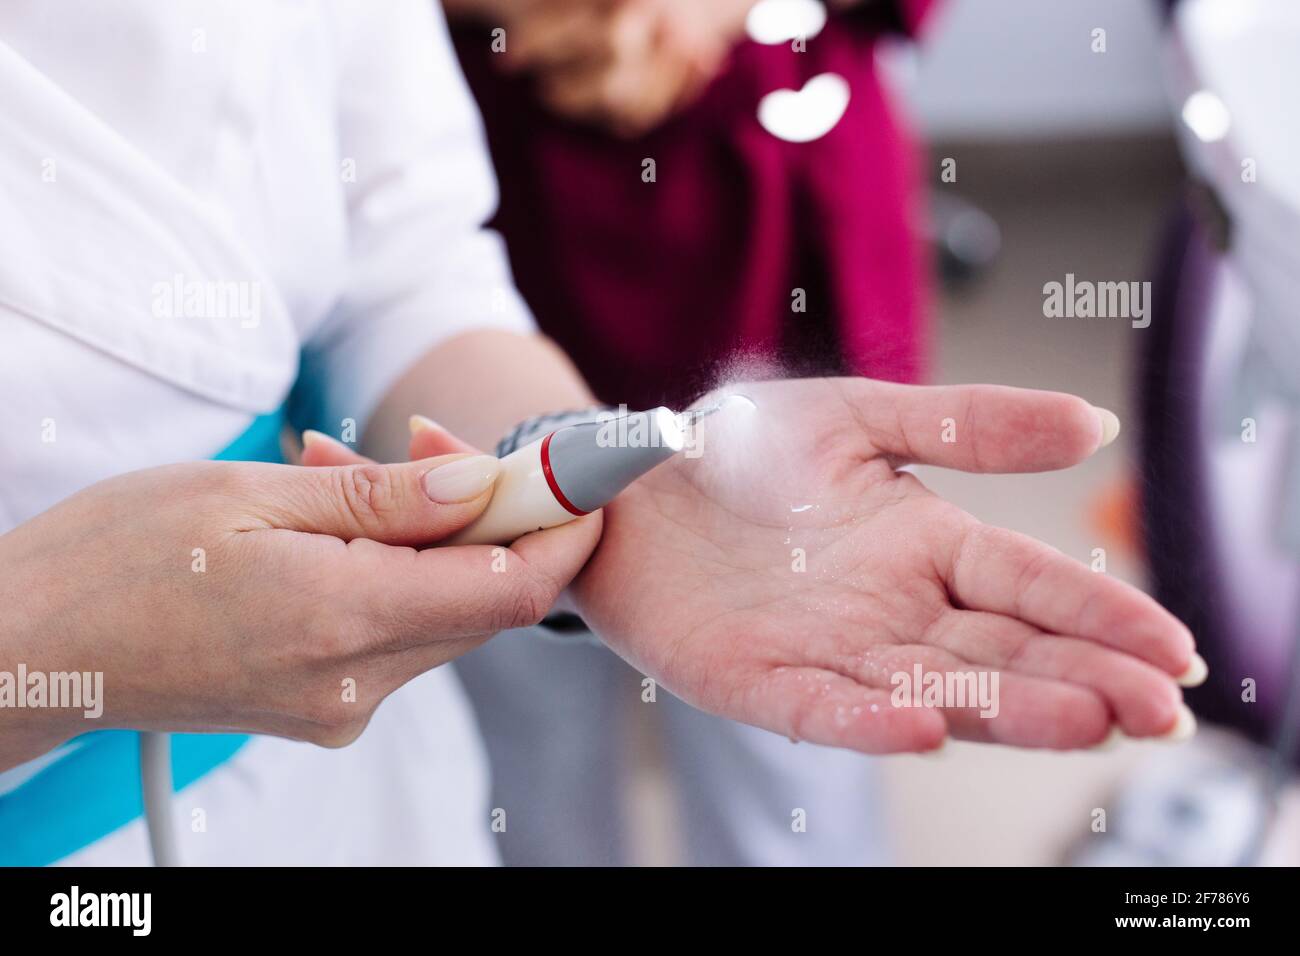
(1221, 382)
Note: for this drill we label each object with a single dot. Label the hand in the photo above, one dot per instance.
(696, 578)
(306, 578)
(625, 64)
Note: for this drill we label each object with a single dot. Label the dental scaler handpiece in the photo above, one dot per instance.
(573, 471)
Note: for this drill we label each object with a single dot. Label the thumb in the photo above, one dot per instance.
(412, 503)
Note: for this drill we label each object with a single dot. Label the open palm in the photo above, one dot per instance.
(787, 575)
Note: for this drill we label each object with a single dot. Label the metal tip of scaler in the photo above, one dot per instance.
(731, 401)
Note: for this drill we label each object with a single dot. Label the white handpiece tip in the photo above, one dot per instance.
(670, 429)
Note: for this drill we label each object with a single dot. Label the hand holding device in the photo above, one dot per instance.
(239, 596)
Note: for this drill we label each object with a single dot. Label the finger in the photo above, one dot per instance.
(553, 552)
(1035, 713)
(1007, 573)
(1144, 700)
(321, 451)
(983, 703)
(981, 428)
(823, 707)
(464, 593)
(414, 503)
(430, 440)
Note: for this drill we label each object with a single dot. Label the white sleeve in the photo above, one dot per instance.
(421, 266)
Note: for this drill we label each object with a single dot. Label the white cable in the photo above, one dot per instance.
(156, 788)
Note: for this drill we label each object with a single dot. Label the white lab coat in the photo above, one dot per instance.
(324, 161)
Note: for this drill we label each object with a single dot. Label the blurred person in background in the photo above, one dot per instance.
(742, 244)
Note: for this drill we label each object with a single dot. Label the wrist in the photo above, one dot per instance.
(31, 721)
(34, 716)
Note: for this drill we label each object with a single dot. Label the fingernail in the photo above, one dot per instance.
(1109, 425)
(1196, 672)
(461, 480)
(312, 437)
(419, 423)
(1184, 727)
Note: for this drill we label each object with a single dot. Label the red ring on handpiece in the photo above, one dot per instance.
(552, 483)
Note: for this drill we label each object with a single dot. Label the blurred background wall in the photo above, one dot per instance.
(1010, 69)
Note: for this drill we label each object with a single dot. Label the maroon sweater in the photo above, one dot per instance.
(651, 286)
